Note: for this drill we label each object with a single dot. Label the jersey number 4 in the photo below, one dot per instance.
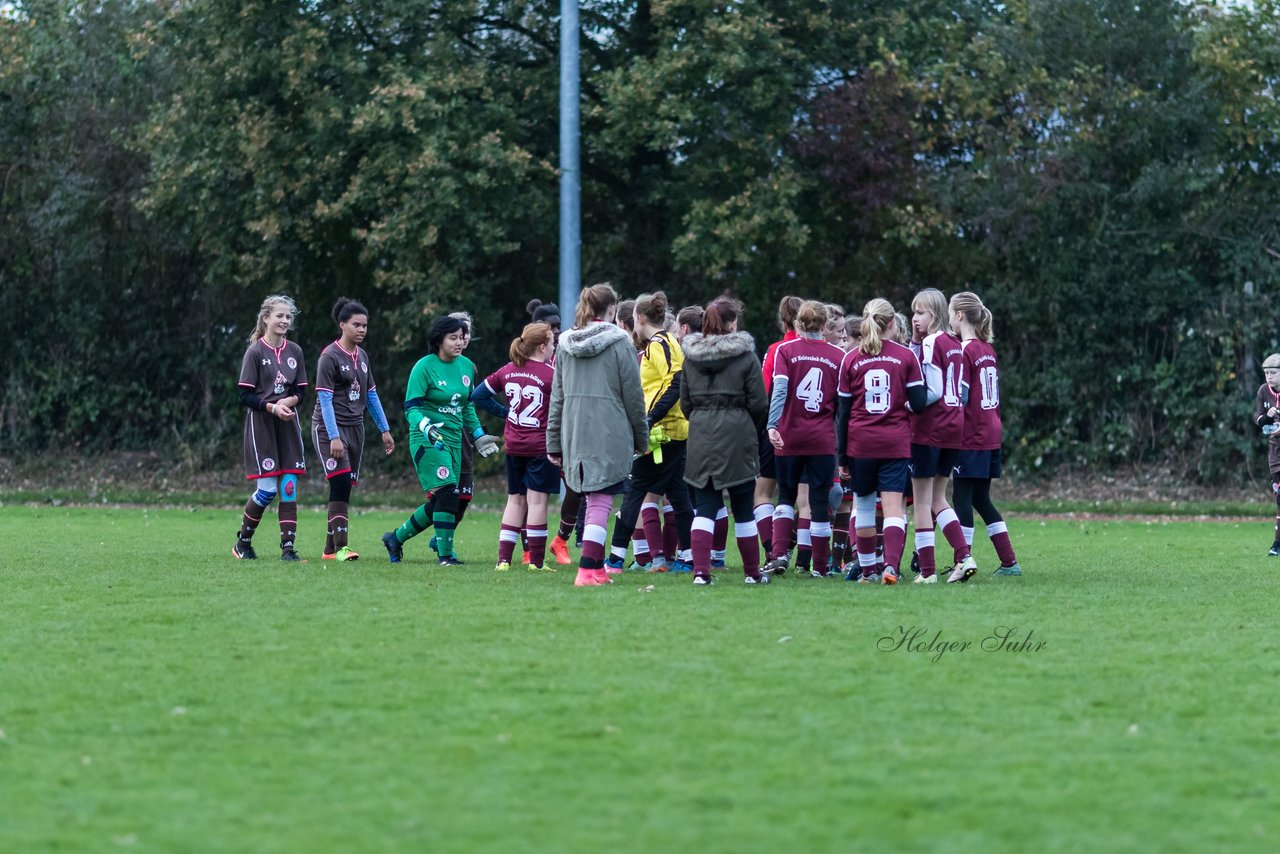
(810, 390)
(523, 417)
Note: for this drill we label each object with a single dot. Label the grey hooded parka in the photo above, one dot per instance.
(722, 395)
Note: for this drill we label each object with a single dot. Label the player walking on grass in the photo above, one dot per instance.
(801, 427)
(978, 461)
(438, 410)
(596, 422)
(880, 382)
(273, 376)
(524, 384)
(722, 393)
(345, 388)
(937, 433)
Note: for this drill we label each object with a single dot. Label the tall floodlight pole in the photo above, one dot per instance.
(570, 173)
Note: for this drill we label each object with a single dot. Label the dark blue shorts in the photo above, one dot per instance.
(979, 465)
(928, 461)
(871, 476)
(816, 471)
(768, 467)
(532, 473)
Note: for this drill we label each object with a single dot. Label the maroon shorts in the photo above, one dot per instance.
(352, 436)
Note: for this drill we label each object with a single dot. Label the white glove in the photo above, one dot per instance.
(487, 445)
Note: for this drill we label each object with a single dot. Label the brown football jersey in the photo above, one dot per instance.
(349, 377)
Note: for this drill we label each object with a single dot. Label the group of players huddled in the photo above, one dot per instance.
(849, 422)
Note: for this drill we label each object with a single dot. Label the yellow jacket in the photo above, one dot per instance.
(660, 373)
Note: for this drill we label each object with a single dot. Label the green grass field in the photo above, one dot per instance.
(156, 695)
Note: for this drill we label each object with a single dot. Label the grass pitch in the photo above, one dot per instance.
(156, 695)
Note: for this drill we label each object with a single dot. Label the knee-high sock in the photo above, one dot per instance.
(867, 561)
(702, 535)
(954, 532)
(720, 536)
(508, 536)
(252, 517)
(538, 545)
(999, 534)
(784, 519)
(804, 543)
(288, 525)
(670, 532)
(338, 511)
(569, 509)
(895, 539)
(820, 537)
(764, 524)
(747, 537)
(419, 520)
(445, 524)
(924, 549)
(594, 530)
(651, 522)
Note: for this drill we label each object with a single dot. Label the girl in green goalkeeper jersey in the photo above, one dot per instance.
(438, 409)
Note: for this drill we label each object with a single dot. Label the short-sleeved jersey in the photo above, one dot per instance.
(879, 421)
(1266, 398)
(270, 371)
(812, 371)
(766, 367)
(660, 361)
(348, 376)
(441, 392)
(527, 391)
(982, 427)
(941, 423)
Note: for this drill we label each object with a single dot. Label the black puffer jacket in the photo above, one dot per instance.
(723, 397)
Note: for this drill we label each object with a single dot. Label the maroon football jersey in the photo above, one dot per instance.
(982, 428)
(812, 370)
(879, 421)
(270, 371)
(349, 377)
(528, 394)
(941, 424)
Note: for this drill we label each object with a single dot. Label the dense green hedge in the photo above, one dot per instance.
(1103, 173)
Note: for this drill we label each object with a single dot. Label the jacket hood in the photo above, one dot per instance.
(713, 352)
(592, 340)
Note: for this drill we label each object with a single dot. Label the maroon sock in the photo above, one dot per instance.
(720, 536)
(670, 537)
(702, 535)
(288, 525)
(821, 543)
(747, 537)
(508, 536)
(954, 533)
(537, 546)
(784, 521)
(866, 549)
(895, 539)
(999, 534)
(651, 522)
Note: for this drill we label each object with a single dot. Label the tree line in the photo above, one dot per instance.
(1103, 174)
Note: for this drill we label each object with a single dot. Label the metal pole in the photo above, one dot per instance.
(570, 173)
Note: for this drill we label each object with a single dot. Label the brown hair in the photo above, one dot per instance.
(853, 326)
(653, 308)
(593, 302)
(933, 301)
(720, 313)
(626, 316)
(787, 310)
(531, 338)
(975, 313)
(877, 316)
(260, 328)
(811, 317)
(692, 317)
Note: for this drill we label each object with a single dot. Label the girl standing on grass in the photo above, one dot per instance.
(723, 396)
(524, 384)
(596, 422)
(344, 390)
(937, 433)
(438, 409)
(802, 407)
(273, 376)
(880, 383)
(978, 461)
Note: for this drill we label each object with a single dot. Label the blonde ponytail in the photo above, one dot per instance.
(877, 316)
(976, 314)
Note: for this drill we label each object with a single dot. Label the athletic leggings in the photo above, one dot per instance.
(969, 494)
(709, 501)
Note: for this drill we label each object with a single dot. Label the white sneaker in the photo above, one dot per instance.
(964, 570)
(927, 579)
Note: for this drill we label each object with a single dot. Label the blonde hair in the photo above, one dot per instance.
(877, 316)
(531, 338)
(593, 302)
(260, 328)
(901, 329)
(978, 315)
(811, 317)
(933, 301)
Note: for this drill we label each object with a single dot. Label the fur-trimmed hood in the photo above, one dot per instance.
(712, 353)
(591, 340)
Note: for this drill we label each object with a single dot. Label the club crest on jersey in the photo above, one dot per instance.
(331, 464)
(268, 464)
(466, 380)
(364, 366)
(442, 472)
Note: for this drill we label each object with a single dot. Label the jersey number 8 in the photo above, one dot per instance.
(877, 395)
